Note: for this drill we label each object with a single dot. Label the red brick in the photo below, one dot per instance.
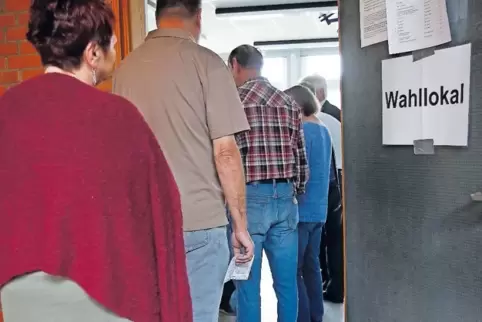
(29, 73)
(8, 49)
(8, 77)
(20, 61)
(26, 48)
(7, 20)
(3, 62)
(17, 5)
(23, 18)
(16, 33)
(2, 91)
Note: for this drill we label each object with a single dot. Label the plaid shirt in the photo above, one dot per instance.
(274, 148)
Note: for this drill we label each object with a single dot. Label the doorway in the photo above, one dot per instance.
(281, 35)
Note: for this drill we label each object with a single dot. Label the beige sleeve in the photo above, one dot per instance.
(225, 112)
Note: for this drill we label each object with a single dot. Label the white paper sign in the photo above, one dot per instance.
(427, 99)
(373, 22)
(416, 24)
(238, 272)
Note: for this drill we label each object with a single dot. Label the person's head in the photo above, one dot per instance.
(305, 98)
(184, 14)
(75, 36)
(317, 84)
(245, 62)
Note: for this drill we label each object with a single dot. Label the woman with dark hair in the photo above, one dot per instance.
(312, 205)
(91, 226)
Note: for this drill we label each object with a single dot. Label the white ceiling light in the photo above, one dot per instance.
(313, 45)
(252, 16)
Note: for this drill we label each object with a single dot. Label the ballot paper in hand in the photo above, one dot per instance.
(237, 271)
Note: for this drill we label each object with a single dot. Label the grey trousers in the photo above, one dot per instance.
(207, 254)
(40, 297)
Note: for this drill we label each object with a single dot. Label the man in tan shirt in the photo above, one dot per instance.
(187, 95)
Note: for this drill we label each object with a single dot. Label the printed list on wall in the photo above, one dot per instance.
(373, 22)
(427, 99)
(414, 25)
(408, 25)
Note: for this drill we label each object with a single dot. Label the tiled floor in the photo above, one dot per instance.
(333, 312)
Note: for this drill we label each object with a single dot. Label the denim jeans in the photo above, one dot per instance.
(272, 221)
(310, 287)
(207, 255)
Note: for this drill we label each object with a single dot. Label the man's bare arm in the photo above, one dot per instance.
(231, 174)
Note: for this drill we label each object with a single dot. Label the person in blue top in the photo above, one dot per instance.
(313, 206)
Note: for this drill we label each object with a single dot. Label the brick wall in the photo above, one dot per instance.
(18, 59)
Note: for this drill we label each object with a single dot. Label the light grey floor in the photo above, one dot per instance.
(333, 312)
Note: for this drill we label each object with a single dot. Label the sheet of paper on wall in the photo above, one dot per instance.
(373, 22)
(414, 25)
(427, 99)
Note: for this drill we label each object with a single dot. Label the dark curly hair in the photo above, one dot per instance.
(60, 30)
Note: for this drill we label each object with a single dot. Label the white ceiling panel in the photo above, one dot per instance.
(222, 34)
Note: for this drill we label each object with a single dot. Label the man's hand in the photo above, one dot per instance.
(243, 246)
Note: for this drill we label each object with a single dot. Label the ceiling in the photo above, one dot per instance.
(222, 34)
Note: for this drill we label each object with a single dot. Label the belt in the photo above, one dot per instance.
(270, 181)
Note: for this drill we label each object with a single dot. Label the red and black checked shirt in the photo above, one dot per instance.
(274, 148)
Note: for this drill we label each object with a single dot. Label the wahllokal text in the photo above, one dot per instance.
(424, 98)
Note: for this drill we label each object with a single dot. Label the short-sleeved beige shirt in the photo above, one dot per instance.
(188, 96)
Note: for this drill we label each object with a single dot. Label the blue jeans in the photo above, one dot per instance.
(310, 287)
(272, 221)
(207, 255)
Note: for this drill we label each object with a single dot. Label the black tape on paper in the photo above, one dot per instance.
(423, 53)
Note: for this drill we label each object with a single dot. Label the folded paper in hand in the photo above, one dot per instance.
(238, 271)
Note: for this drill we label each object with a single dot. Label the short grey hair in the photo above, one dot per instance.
(315, 82)
(247, 56)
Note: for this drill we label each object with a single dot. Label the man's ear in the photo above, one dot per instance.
(320, 94)
(199, 17)
(236, 66)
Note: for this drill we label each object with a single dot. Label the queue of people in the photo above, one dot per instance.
(113, 206)
(331, 255)
(276, 166)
